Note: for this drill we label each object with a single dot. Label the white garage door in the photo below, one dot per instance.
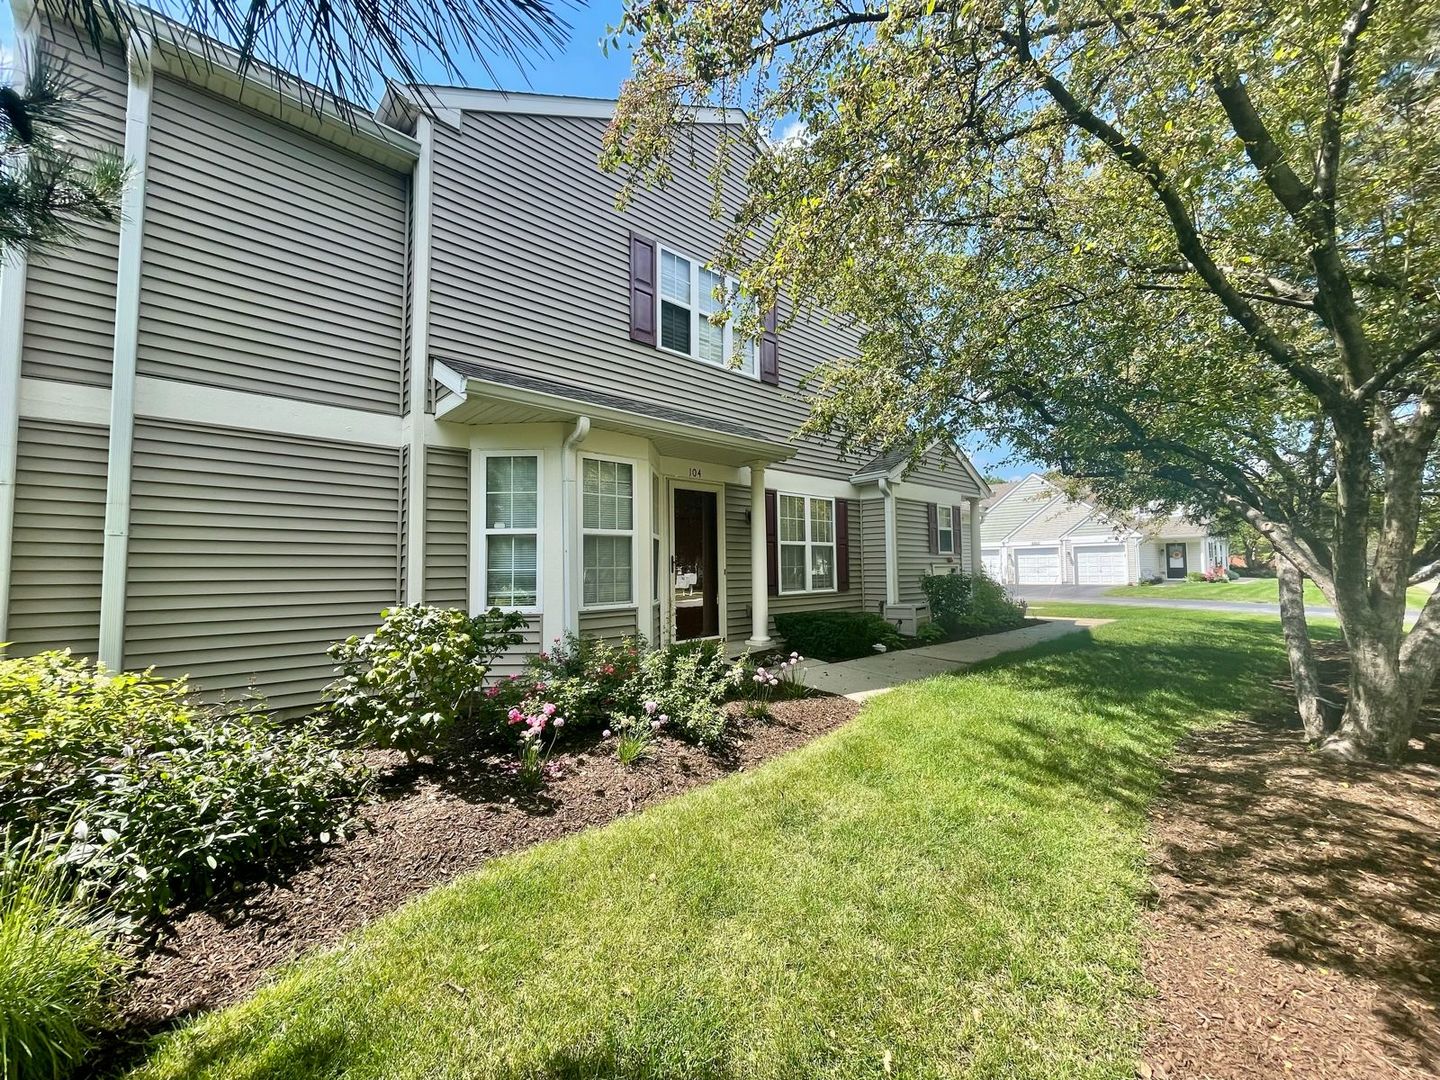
(1101, 565)
(1039, 567)
(991, 559)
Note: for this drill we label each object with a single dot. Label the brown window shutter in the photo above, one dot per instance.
(955, 530)
(642, 289)
(932, 522)
(772, 545)
(842, 545)
(770, 351)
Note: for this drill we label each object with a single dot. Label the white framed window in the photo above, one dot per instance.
(945, 529)
(607, 521)
(687, 297)
(805, 533)
(511, 504)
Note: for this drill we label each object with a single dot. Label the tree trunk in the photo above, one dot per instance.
(1381, 710)
(1302, 657)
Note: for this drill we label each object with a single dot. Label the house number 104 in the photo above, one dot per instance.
(695, 474)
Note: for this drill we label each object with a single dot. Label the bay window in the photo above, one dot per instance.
(607, 520)
(806, 536)
(512, 531)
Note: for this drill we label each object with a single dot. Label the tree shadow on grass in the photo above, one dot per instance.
(1328, 866)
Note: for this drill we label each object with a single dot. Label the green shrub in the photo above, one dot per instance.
(406, 684)
(949, 596)
(587, 679)
(969, 604)
(1194, 575)
(56, 969)
(684, 688)
(150, 796)
(836, 635)
(930, 634)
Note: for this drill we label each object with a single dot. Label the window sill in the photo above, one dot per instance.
(629, 605)
(807, 592)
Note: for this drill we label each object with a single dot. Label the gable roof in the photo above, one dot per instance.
(895, 462)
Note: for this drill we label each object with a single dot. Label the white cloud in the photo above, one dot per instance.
(794, 133)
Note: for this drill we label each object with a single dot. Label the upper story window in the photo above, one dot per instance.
(945, 529)
(806, 536)
(689, 294)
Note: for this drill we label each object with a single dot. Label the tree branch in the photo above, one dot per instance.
(1187, 235)
(1429, 342)
(1327, 156)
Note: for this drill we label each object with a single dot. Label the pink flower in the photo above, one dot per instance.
(655, 724)
(650, 707)
(606, 733)
(492, 691)
(512, 678)
(548, 708)
(664, 719)
(608, 669)
(515, 715)
(559, 721)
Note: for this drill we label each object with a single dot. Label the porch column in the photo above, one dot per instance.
(759, 577)
(892, 545)
(976, 562)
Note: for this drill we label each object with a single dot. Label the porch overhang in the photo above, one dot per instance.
(477, 394)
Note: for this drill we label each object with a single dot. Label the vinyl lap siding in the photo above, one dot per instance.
(70, 289)
(737, 575)
(539, 283)
(518, 659)
(610, 626)
(447, 527)
(943, 471)
(872, 552)
(59, 537)
(274, 263)
(1023, 503)
(249, 554)
(912, 539)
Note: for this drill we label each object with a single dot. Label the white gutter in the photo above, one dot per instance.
(12, 334)
(419, 328)
(127, 340)
(569, 523)
(892, 544)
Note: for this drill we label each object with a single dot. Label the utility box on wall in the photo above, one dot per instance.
(908, 618)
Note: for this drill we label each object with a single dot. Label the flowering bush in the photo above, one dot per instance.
(683, 686)
(534, 766)
(585, 678)
(151, 796)
(1216, 573)
(408, 682)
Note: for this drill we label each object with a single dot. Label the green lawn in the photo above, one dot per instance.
(1246, 590)
(949, 886)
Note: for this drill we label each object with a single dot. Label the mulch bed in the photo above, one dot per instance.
(1296, 926)
(430, 824)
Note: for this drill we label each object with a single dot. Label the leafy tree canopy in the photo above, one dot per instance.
(1186, 251)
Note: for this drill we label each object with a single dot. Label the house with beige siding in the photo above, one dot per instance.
(1032, 533)
(327, 362)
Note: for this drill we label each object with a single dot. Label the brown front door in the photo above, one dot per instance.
(1175, 566)
(695, 565)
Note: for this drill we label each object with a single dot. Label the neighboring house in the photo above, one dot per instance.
(326, 364)
(1033, 534)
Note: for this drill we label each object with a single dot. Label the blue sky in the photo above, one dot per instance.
(583, 69)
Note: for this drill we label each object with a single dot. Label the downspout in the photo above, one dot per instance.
(416, 418)
(115, 562)
(12, 331)
(892, 545)
(569, 523)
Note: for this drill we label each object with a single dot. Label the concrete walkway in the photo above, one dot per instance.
(871, 675)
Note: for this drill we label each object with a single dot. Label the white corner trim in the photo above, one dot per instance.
(892, 544)
(12, 340)
(421, 239)
(127, 337)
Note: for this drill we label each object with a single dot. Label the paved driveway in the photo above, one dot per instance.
(1155, 597)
